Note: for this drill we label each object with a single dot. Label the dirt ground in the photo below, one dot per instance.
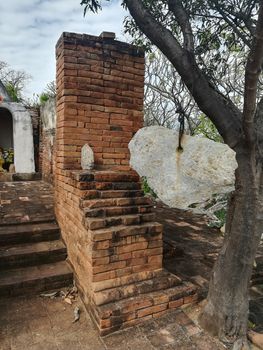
(41, 323)
(190, 250)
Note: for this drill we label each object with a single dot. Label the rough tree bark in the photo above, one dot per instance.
(226, 311)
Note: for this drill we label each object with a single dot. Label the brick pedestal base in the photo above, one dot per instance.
(114, 244)
(117, 253)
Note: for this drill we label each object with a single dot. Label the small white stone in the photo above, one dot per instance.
(180, 179)
(87, 157)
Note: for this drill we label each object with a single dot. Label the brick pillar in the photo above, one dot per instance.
(114, 246)
(100, 85)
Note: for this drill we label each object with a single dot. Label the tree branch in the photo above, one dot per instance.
(182, 19)
(230, 22)
(253, 70)
(223, 113)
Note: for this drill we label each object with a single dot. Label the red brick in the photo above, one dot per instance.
(176, 303)
(152, 310)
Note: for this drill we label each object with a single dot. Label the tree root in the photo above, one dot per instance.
(256, 338)
(241, 344)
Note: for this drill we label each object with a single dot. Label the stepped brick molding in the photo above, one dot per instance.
(114, 244)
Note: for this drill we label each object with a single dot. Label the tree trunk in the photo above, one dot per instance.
(226, 311)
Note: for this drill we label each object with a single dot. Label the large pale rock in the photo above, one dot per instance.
(183, 178)
(87, 157)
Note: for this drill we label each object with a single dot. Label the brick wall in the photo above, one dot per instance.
(100, 98)
(114, 246)
(70, 218)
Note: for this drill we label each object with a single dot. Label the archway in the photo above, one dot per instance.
(22, 135)
(6, 138)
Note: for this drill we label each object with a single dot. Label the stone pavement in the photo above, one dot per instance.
(26, 202)
(32, 256)
(40, 323)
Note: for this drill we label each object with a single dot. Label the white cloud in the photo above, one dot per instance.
(30, 29)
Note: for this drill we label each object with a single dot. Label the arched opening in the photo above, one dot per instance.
(6, 139)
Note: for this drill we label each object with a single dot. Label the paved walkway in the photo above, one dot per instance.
(26, 201)
(41, 323)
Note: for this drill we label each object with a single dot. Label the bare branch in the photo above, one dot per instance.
(209, 100)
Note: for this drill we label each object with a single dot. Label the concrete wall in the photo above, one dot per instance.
(48, 114)
(22, 136)
(48, 137)
(36, 125)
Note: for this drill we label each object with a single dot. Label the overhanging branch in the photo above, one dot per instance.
(182, 19)
(253, 70)
(223, 113)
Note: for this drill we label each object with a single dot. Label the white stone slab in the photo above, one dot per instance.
(87, 157)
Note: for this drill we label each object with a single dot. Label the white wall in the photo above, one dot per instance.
(22, 136)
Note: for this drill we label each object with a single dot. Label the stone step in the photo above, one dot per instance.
(115, 186)
(161, 281)
(25, 233)
(95, 194)
(111, 202)
(128, 220)
(22, 255)
(113, 176)
(15, 218)
(157, 300)
(105, 176)
(107, 186)
(116, 211)
(35, 279)
(120, 194)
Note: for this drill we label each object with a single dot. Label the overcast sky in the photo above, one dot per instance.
(29, 30)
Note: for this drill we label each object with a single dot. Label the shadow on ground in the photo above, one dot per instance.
(190, 250)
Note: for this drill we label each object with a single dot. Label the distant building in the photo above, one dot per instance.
(16, 134)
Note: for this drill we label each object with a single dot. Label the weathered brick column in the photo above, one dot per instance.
(100, 98)
(114, 245)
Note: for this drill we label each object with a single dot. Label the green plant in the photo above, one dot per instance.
(147, 189)
(221, 216)
(206, 128)
(13, 92)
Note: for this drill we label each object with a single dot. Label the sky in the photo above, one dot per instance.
(29, 30)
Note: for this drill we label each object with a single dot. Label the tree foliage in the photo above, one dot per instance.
(49, 92)
(215, 34)
(206, 128)
(14, 81)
